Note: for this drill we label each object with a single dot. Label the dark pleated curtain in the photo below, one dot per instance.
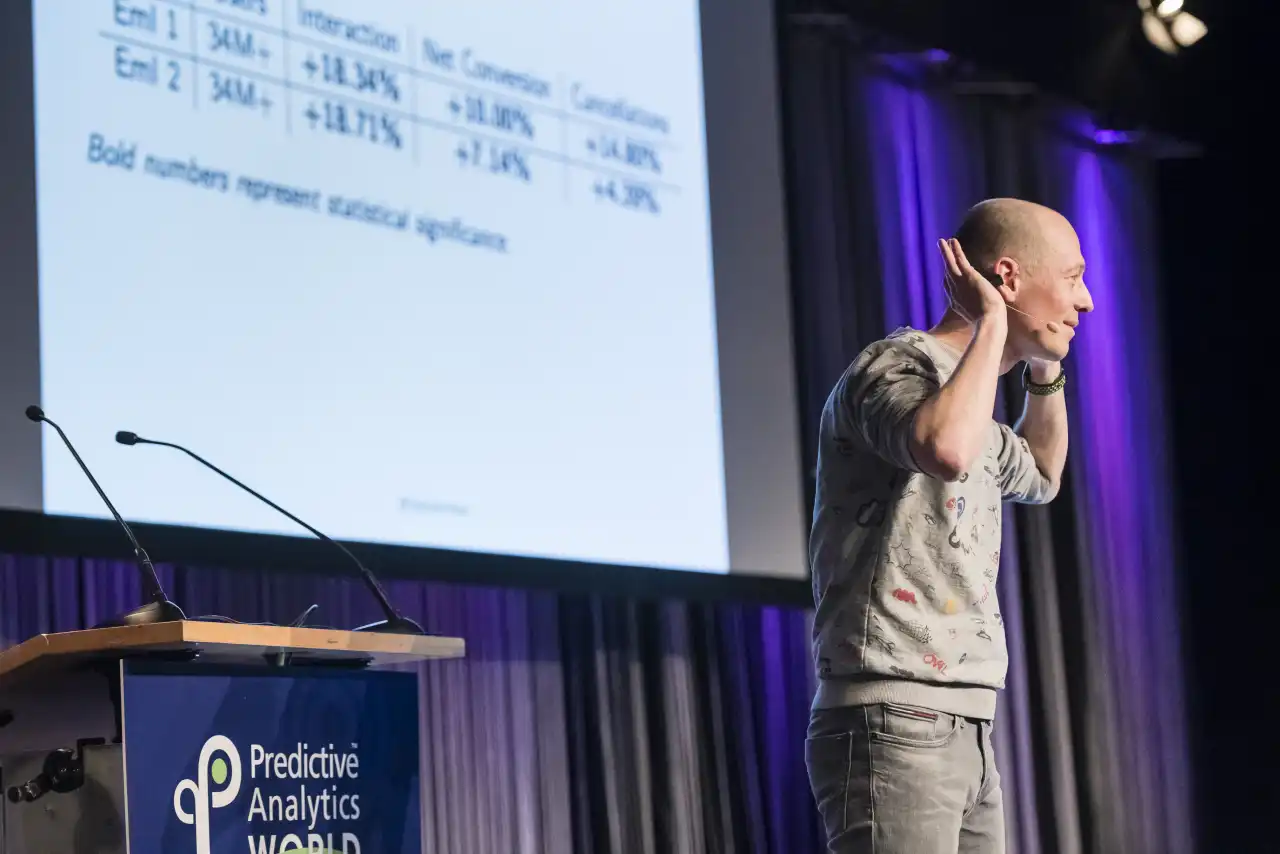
(594, 724)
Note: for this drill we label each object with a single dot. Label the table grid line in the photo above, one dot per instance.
(413, 105)
(195, 50)
(288, 93)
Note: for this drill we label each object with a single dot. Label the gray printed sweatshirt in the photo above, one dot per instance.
(903, 564)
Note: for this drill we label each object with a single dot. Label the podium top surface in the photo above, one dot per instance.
(222, 642)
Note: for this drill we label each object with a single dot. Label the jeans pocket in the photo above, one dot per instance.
(829, 759)
(913, 726)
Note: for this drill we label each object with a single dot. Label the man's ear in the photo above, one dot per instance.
(1005, 276)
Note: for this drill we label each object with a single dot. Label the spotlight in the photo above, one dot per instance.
(1187, 29)
(1156, 33)
(1168, 27)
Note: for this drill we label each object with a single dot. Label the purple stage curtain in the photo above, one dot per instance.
(1091, 731)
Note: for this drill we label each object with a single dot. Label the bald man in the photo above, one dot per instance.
(912, 469)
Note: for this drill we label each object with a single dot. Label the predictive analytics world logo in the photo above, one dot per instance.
(217, 785)
(220, 766)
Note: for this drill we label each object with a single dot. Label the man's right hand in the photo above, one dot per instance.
(952, 428)
(970, 293)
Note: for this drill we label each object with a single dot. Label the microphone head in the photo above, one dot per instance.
(124, 437)
(35, 413)
(1053, 327)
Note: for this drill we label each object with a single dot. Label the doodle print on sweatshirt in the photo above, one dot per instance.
(876, 636)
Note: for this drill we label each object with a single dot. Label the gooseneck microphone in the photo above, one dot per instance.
(158, 608)
(394, 623)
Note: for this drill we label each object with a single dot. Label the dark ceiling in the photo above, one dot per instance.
(1091, 51)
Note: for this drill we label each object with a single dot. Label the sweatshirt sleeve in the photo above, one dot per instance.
(882, 391)
(1020, 478)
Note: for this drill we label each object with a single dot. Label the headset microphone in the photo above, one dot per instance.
(1049, 324)
(996, 280)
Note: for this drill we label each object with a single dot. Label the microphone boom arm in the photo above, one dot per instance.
(154, 592)
(158, 608)
(395, 622)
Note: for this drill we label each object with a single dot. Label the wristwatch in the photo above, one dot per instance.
(1044, 389)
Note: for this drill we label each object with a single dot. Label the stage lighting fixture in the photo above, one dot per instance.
(1168, 27)
(1187, 29)
(1154, 29)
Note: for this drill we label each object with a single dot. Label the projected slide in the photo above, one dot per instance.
(425, 273)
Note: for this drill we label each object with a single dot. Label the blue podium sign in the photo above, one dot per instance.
(276, 761)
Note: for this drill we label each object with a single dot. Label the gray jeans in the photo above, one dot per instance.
(893, 779)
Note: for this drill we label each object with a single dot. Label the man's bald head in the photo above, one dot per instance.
(1031, 254)
(1006, 227)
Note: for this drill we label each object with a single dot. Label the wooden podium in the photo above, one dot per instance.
(193, 735)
